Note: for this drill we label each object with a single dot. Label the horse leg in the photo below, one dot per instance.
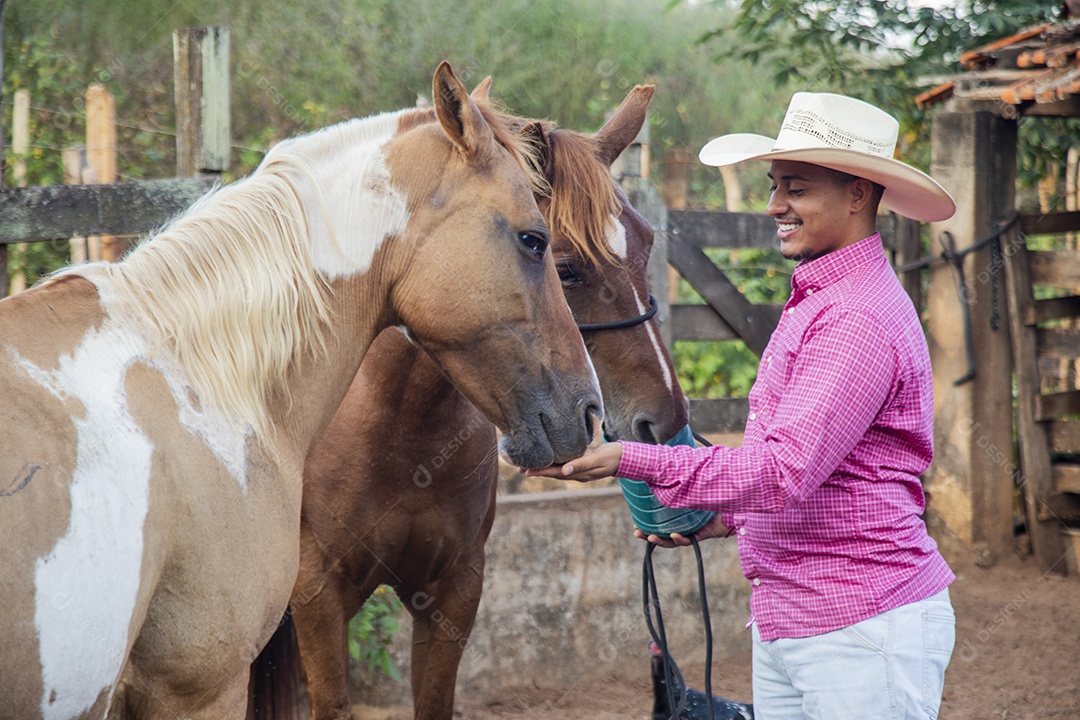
(443, 616)
(321, 633)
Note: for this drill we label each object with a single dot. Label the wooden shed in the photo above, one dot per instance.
(1001, 307)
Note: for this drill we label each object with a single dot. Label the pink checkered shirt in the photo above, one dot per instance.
(824, 494)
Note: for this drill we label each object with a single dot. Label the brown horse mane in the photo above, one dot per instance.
(583, 199)
(579, 187)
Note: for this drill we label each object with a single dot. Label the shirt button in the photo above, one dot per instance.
(742, 531)
(757, 581)
(790, 310)
(753, 416)
(809, 291)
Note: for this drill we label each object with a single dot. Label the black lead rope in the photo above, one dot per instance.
(675, 683)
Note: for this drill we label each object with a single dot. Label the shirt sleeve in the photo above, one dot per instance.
(842, 375)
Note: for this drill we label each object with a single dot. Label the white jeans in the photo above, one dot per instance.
(888, 667)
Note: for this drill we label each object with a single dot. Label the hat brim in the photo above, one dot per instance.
(908, 192)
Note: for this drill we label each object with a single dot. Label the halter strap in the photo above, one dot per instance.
(619, 324)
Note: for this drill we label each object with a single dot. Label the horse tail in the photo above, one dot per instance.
(274, 682)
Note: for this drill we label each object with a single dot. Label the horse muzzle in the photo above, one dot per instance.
(550, 436)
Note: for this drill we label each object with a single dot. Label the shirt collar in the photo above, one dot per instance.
(833, 267)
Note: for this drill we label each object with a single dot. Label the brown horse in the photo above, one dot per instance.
(401, 488)
(157, 412)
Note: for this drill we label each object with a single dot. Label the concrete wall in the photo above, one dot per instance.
(562, 599)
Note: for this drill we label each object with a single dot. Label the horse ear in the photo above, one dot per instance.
(458, 114)
(535, 135)
(625, 123)
(480, 92)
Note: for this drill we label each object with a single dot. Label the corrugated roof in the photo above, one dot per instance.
(1028, 71)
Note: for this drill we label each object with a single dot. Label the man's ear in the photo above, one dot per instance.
(860, 194)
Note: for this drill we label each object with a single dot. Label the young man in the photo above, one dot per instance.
(850, 611)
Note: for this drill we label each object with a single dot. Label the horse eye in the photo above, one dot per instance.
(535, 243)
(567, 274)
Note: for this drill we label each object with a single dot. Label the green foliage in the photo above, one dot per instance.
(372, 630)
(299, 65)
(848, 44)
(715, 369)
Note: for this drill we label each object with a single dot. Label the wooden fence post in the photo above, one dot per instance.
(20, 145)
(675, 193)
(634, 161)
(3, 247)
(101, 157)
(74, 159)
(201, 86)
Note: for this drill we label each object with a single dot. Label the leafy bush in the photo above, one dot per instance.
(372, 630)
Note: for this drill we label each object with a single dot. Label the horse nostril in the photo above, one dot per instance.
(645, 431)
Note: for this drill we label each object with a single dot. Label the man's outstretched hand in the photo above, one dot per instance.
(597, 463)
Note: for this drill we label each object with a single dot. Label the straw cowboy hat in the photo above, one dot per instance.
(843, 134)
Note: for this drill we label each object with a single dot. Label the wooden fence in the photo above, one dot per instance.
(60, 212)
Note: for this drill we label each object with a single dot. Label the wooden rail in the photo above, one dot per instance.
(58, 212)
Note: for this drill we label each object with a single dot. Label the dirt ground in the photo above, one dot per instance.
(1017, 657)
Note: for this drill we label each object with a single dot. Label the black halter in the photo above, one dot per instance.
(619, 324)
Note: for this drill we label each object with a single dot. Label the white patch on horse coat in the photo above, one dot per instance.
(86, 587)
(668, 380)
(222, 435)
(362, 188)
(616, 239)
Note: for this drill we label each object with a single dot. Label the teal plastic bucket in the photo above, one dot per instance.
(656, 519)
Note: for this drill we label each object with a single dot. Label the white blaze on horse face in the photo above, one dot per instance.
(86, 587)
(616, 239)
(668, 380)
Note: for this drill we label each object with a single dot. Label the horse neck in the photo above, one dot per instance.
(317, 384)
(352, 220)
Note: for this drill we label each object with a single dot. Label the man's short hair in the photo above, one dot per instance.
(842, 179)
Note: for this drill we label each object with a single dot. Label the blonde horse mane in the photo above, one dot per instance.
(231, 288)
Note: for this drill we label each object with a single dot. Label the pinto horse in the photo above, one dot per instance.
(157, 412)
(400, 490)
